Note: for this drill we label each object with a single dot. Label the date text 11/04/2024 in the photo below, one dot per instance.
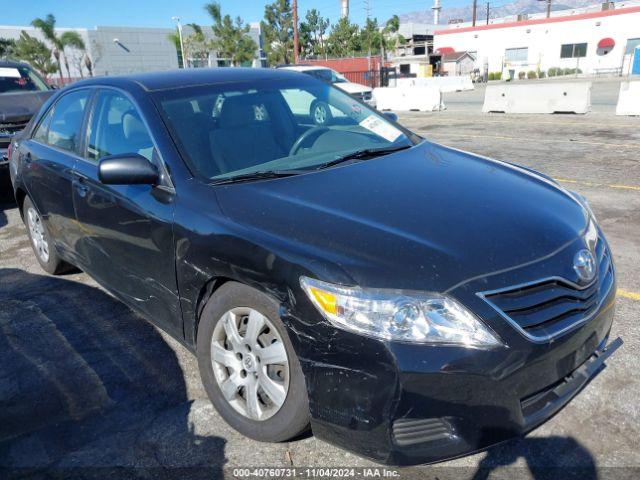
(316, 472)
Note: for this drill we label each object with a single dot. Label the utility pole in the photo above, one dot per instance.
(367, 9)
(475, 12)
(295, 31)
(487, 13)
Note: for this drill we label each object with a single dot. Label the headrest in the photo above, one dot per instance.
(134, 130)
(237, 111)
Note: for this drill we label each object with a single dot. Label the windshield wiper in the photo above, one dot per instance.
(363, 154)
(259, 175)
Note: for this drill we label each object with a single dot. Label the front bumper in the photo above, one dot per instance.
(405, 404)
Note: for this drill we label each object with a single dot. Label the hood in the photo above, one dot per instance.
(426, 218)
(21, 106)
(352, 87)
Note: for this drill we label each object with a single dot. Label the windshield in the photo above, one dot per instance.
(228, 130)
(326, 75)
(20, 79)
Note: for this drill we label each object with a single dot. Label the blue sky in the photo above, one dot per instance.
(158, 13)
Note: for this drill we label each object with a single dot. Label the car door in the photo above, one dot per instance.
(128, 232)
(49, 156)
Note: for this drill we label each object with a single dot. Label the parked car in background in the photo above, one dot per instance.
(409, 301)
(22, 93)
(324, 74)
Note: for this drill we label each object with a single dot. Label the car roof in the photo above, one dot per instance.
(12, 63)
(191, 77)
(304, 68)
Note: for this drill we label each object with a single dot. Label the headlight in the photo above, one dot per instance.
(396, 315)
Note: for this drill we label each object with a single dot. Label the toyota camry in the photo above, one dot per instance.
(405, 300)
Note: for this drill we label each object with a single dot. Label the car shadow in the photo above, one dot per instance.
(87, 388)
(546, 458)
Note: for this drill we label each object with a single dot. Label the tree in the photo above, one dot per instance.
(197, 45)
(370, 37)
(7, 46)
(312, 32)
(344, 39)
(47, 26)
(73, 40)
(34, 52)
(278, 31)
(231, 38)
(389, 36)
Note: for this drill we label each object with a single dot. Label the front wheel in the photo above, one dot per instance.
(248, 366)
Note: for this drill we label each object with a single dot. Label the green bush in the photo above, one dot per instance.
(521, 75)
(498, 75)
(569, 71)
(491, 76)
(541, 74)
(555, 72)
(531, 75)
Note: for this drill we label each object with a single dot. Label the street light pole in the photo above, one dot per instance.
(295, 31)
(184, 60)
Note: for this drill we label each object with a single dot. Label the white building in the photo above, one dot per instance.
(598, 39)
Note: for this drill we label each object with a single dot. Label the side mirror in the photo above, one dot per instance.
(127, 169)
(391, 116)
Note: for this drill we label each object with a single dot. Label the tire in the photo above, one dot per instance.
(281, 419)
(321, 113)
(41, 241)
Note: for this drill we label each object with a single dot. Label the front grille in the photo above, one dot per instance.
(363, 95)
(545, 309)
(8, 130)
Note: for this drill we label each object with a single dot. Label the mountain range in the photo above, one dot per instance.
(514, 8)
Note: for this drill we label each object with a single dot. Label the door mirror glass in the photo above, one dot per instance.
(127, 169)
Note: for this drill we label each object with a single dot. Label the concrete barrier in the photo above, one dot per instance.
(445, 84)
(551, 97)
(424, 99)
(629, 99)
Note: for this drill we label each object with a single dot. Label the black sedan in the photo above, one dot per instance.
(407, 301)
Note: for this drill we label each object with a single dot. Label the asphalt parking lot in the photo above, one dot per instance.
(86, 384)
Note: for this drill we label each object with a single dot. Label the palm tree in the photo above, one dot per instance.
(73, 40)
(47, 26)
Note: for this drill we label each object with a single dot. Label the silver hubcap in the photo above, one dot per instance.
(36, 231)
(250, 363)
(320, 114)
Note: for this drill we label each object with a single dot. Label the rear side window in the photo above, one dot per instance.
(116, 127)
(42, 131)
(66, 121)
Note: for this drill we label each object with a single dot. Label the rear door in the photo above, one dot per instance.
(128, 229)
(49, 156)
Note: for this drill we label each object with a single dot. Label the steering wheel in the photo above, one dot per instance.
(311, 134)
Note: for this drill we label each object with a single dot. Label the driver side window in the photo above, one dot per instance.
(116, 127)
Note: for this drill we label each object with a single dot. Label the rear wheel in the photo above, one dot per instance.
(41, 240)
(248, 366)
